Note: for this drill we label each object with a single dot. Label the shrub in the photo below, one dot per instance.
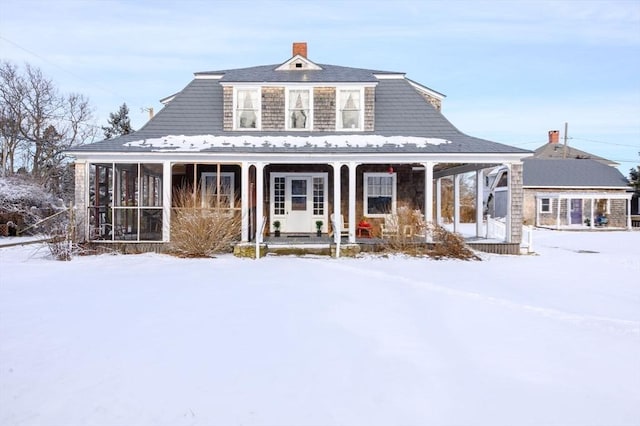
(410, 238)
(449, 245)
(26, 203)
(198, 231)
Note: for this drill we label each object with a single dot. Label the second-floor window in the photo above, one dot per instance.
(349, 109)
(299, 109)
(247, 108)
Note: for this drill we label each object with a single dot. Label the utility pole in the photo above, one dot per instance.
(566, 127)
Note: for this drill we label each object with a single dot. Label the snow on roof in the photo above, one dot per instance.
(203, 142)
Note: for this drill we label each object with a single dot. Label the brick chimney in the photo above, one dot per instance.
(300, 49)
(554, 136)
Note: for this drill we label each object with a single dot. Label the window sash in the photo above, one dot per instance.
(349, 114)
(299, 109)
(247, 108)
(545, 205)
(209, 189)
(379, 194)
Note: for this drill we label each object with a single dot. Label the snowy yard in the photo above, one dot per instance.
(551, 339)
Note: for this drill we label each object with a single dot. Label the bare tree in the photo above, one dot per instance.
(11, 114)
(39, 123)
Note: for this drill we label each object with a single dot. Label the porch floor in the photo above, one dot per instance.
(300, 243)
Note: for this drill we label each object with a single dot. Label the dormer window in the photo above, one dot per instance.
(350, 111)
(247, 108)
(299, 109)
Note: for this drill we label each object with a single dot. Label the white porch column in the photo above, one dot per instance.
(509, 203)
(591, 218)
(439, 201)
(259, 201)
(428, 197)
(336, 206)
(479, 203)
(166, 201)
(352, 202)
(244, 202)
(629, 227)
(456, 202)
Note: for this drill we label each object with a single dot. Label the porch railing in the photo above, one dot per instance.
(498, 230)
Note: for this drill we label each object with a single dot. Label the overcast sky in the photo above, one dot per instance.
(511, 70)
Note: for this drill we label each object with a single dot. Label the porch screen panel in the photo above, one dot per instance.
(126, 213)
(100, 201)
(278, 195)
(379, 194)
(151, 199)
(125, 201)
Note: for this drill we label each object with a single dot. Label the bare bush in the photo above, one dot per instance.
(202, 226)
(448, 244)
(411, 235)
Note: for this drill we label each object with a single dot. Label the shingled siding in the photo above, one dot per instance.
(517, 198)
(617, 208)
(273, 108)
(227, 102)
(324, 109)
(80, 190)
(369, 108)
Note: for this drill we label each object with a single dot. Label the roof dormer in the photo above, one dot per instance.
(299, 61)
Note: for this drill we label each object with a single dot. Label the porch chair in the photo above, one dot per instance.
(344, 228)
(390, 226)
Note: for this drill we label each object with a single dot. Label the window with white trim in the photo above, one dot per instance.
(299, 109)
(545, 205)
(379, 194)
(350, 110)
(247, 108)
(209, 188)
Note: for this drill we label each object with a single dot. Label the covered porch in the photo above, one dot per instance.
(295, 194)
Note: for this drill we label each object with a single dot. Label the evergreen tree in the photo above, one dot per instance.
(634, 178)
(119, 123)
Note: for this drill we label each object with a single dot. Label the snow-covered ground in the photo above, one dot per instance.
(550, 339)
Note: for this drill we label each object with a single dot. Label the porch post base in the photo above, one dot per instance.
(249, 250)
(346, 250)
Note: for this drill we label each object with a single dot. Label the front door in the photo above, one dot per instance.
(576, 211)
(298, 204)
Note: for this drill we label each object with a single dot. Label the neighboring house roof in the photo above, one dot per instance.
(571, 173)
(557, 151)
(400, 111)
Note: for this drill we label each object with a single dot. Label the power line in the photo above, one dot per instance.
(606, 143)
(61, 68)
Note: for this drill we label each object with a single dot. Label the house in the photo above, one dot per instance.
(564, 187)
(293, 143)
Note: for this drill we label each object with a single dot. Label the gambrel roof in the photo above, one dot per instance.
(401, 111)
(583, 173)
